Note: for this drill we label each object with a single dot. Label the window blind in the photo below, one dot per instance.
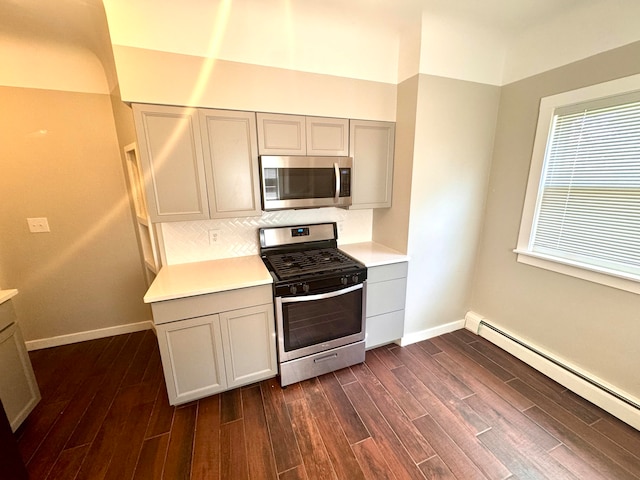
(588, 208)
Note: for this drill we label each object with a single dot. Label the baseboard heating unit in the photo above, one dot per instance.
(598, 392)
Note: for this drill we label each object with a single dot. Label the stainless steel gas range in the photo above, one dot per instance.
(320, 295)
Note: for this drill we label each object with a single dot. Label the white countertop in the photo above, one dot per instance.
(7, 294)
(200, 278)
(373, 254)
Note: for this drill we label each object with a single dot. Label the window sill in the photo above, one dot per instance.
(621, 281)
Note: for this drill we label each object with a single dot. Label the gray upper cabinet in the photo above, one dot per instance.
(327, 136)
(372, 145)
(281, 134)
(230, 149)
(172, 161)
(298, 135)
(198, 163)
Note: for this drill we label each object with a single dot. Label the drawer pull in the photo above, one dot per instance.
(327, 357)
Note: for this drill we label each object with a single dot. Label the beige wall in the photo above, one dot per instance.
(594, 327)
(85, 274)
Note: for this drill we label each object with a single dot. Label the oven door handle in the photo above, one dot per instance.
(321, 296)
(337, 173)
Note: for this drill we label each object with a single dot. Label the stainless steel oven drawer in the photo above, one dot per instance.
(321, 363)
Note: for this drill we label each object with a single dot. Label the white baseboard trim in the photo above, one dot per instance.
(579, 381)
(430, 333)
(88, 335)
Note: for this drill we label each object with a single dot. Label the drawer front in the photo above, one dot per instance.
(385, 297)
(387, 272)
(200, 305)
(383, 329)
(314, 365)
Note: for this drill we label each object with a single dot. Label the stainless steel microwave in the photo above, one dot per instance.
(305, 182)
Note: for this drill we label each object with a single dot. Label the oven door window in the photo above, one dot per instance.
(299, 183)
(319, 321)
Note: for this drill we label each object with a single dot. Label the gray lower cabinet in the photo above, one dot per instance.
(248, 339)
(18, 387)
(197, 163)
(386, 294)
(215, 342)
(192, 358)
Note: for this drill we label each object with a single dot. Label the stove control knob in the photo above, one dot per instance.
(305, 288)
(344, 280)
(293, 289)
(355, 279)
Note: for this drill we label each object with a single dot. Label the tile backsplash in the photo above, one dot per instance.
(186, 242)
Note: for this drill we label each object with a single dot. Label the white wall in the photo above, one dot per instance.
(462, 49)
(169, 78)
(455, 124)
(325, 37)
(588, 29)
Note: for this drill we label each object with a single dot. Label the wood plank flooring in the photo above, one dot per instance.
(453, 407)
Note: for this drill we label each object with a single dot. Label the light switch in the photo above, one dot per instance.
(38, 225)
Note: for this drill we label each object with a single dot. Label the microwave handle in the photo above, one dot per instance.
(337, 173)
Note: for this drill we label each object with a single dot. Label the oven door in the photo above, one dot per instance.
(316, 323)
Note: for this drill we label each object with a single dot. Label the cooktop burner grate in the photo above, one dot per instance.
(294, 264)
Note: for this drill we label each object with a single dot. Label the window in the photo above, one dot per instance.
(582, 207)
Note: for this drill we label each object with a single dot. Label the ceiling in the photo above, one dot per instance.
(66, 21)
(77, 21)
(505, 15)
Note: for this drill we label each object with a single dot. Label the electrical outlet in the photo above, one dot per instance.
(215, 236)
(38, 225)
(340, 227)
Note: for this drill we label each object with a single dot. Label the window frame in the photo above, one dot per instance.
(524, 254)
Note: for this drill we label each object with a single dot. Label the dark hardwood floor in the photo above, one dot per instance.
(454, 407)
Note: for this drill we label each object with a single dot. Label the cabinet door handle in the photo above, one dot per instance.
(337, 173)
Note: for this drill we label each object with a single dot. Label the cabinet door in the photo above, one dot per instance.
(18, 387)
(249, 340)
(192, 358)
(327, 136)
(372, 148)
(172, 162)
(281, 134)
(230, 150)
